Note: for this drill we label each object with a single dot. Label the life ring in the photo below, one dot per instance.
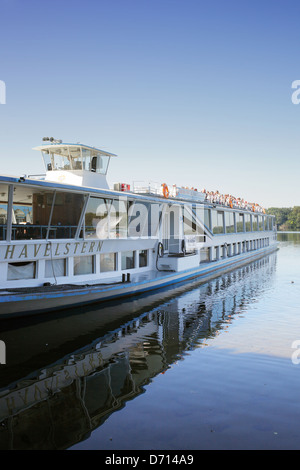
(165, 190)
(160, 250)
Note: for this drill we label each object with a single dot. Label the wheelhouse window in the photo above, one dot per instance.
(59, 159)
(73, 157)
(95, 161)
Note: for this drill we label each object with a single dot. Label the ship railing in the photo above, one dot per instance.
(141, 187)
(243, 207)
(174, 191)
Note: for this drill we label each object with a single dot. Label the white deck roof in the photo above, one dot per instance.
(64, 148)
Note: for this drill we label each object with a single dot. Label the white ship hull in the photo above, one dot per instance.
(30, 301)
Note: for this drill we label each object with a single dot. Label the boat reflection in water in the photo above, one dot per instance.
(66, 375)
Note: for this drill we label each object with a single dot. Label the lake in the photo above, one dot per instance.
(200, 366)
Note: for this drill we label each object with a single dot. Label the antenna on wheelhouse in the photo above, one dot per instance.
(51, 139)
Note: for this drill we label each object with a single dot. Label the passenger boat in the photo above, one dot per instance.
(67, 239)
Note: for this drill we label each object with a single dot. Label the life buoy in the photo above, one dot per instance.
(160, 249)
(165, 190)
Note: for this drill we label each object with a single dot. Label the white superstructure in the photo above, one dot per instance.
(67, 231)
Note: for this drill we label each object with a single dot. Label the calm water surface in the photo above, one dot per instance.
(211, 366)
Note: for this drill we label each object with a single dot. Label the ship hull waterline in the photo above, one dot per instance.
(20, 302)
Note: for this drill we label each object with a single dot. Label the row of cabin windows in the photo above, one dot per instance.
(235, 222)
(82, 265)
(50, 214)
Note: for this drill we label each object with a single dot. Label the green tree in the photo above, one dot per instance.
(293, 221)
(281, 214)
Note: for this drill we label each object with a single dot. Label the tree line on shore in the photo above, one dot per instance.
(287, 218)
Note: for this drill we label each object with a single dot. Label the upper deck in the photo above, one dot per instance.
(73, 198)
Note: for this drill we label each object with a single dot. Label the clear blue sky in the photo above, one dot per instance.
(191, 92)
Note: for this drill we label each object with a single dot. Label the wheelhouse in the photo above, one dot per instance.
(76, 164)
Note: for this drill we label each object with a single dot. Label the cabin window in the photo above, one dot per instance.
(3, 210)
(207, 218)
(248, 222)
(139, 219)
(240, 222)
(31, 213)
(33, 208)
(229, 222)
(55, 267)
(83, 265)
(97, 218)
(204, 254)
(155, 218)
(25, 270)
(118, 219)
(260, 222)
(143, 258)
(189, 222)
(202, 215)
(108, 262)
(66, 214)
(217, 221)
(254, 223)
(127, 260)
(266, 223)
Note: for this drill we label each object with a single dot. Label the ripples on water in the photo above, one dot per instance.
(197, 367)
